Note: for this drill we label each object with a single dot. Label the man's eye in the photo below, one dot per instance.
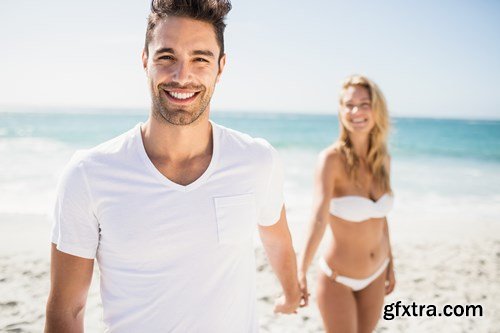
(201, 60)
(166, 57)
(365, 105)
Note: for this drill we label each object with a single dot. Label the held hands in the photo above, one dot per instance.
(288, 304)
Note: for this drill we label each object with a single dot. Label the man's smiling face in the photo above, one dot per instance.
(183, 66)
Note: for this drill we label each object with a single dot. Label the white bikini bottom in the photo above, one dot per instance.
(354, 284)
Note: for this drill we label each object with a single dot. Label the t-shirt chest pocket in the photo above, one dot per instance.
(236, 218)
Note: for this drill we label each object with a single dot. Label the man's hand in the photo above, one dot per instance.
(287, 304)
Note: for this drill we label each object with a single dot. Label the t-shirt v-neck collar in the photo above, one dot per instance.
(155, 172)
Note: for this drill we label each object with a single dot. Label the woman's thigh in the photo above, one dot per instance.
(337, 306)
(369, 304)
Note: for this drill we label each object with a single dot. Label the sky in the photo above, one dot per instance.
(430, 58)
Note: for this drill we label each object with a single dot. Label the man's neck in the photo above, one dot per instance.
(176, 143)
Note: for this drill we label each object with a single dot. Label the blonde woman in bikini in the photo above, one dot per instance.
(352, 198)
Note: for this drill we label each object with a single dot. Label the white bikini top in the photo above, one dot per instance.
(354, 208)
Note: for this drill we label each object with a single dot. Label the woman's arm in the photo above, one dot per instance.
(323, 189)
(390, 277)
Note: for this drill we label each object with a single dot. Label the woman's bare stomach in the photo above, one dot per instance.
(357, 249)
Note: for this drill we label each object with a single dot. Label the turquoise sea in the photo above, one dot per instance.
(443, 170)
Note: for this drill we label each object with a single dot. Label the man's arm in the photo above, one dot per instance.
(70, 278)
(278, 245)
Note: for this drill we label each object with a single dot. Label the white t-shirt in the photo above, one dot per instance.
(172, 258)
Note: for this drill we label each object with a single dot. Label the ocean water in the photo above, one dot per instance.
(445, 172)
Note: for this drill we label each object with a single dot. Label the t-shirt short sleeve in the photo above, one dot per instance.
(273, 198)
(75, 227)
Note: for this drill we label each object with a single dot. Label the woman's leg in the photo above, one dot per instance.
(337, 306)
(369, 303)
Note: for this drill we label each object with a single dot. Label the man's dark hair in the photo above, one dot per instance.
(210, 11)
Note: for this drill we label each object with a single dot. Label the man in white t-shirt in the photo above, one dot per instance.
(169, 208)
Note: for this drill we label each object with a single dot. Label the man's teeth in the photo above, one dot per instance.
(358, 121)
(180, 95)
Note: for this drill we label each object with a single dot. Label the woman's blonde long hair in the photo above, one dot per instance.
(377, 147)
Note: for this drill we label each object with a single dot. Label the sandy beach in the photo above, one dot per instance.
(445, 226)
(444, 270)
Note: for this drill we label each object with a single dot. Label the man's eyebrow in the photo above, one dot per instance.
(165, 50)
(206, 53)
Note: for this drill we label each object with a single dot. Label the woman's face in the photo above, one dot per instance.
(356, 112)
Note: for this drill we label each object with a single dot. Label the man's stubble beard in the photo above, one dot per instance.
(179, 116)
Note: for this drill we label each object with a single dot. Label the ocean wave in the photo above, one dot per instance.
(29, 175)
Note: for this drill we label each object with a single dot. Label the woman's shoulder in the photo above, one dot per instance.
(332, 154)
(331, 158)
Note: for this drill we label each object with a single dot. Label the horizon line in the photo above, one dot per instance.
(137, 111)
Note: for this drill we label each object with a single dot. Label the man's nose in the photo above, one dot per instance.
(181, 74)
(355, 109)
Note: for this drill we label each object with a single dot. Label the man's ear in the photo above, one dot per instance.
(222, 63)
(144, 60)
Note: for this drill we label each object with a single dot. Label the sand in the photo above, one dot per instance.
(440, 270)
